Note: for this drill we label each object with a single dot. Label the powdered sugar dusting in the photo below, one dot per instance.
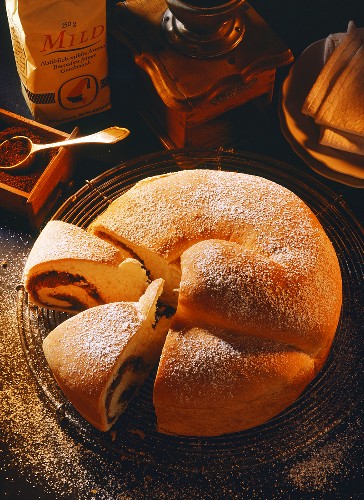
(95, 337)
(170, 213)
(320, 467)
(206, 361)
(228, 285)
(60, 240)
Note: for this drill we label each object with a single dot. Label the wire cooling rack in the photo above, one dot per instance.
(334, 394)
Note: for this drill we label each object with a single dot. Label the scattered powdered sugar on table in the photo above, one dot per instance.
(323, 464)
(34, 443)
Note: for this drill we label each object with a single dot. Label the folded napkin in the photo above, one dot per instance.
(352, 143)
(336, 100)
(335, 65)
(331, 42)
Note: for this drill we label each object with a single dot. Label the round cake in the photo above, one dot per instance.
(256, 288)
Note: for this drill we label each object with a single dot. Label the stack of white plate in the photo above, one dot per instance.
(301, 131)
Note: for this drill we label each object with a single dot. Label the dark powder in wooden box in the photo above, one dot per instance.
(25, 181)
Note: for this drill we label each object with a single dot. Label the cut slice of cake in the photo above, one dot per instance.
(70, 269)
(101, 356)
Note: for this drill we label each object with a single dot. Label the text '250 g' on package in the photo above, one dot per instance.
(61, 57)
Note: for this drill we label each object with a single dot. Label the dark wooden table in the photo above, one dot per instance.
(38, 459)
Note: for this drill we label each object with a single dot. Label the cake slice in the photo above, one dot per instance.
(69, 269)
(101, 356)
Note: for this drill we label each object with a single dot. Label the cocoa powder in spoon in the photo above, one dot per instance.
(13, 153)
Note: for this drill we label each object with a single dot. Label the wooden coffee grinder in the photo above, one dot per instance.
(204, 66)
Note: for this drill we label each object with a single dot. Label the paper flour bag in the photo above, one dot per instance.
(61, 58)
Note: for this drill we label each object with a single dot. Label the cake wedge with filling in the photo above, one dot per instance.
(69, 269)
(101, 356)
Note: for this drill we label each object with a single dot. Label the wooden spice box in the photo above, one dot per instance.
(34, 193)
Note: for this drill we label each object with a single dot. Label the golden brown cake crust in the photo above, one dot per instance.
(211, 381)
(168, 214)
(226, 285)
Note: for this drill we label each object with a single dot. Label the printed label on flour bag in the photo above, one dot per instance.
(61, 58)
